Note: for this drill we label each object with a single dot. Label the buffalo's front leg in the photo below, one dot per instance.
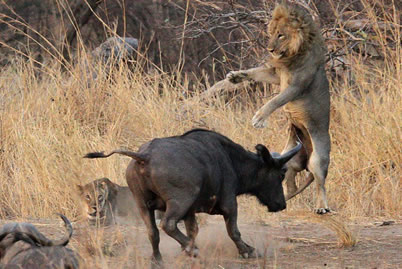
(245, 250)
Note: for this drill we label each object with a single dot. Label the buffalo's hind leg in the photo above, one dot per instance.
(153, 233)
(175, 211)
(191, 227)
(148, 216)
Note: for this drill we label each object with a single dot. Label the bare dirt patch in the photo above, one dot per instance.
(283, 242)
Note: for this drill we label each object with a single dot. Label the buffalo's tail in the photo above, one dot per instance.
(136, 156)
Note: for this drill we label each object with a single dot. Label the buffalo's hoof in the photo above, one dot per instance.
(250, 255)
(156, 262)
(322, 211)
(192, 251)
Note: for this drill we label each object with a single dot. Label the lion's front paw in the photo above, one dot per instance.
(259, 120)
(236, 76)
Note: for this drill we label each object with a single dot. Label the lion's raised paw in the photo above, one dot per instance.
(236, 76)
(259, 120)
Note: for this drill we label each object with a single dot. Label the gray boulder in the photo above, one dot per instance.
(116, 49)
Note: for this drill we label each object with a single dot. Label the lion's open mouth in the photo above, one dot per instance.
(92, 214)
(276, 55)
(95, 214)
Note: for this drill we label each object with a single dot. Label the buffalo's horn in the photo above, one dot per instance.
(284, 158)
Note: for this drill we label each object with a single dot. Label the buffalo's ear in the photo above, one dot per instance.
(265, 155)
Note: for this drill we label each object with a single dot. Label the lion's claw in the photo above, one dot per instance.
(236, 77)
(322, 211)
(259, 121)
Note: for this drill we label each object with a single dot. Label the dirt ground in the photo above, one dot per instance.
(283, 242)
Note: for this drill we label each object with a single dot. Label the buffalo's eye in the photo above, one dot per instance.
(284, 170)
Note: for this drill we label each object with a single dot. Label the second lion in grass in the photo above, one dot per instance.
(107, 203)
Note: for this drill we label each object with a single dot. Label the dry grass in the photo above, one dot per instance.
(345, 237)
(48, 124)
(107, 246)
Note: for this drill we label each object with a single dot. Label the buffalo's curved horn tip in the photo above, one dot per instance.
(284, 158)
(69, 232)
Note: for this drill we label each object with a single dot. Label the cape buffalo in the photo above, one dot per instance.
(201, 171)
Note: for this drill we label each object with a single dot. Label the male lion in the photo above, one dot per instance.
(297, 64)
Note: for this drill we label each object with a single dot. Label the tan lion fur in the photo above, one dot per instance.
(107, 203)
(297, 65)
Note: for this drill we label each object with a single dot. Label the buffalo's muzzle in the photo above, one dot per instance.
(277, 207)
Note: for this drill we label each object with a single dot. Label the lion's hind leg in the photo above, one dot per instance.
(318, 165)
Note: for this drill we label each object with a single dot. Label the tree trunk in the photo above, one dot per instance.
(82, 13)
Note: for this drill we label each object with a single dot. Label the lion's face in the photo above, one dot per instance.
(284, 41)
(290, 30)
(95, 196)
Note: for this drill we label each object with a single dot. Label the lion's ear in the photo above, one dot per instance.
(80, 188)
(106, 183)
(280, 11)
(295, 23)
(295, 20)
(103, 185)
